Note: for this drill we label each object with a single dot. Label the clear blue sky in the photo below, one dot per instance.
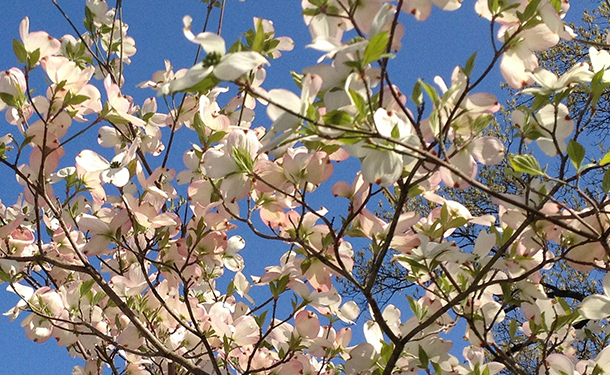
(431, 48)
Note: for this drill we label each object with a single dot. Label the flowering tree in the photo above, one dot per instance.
(133, 263)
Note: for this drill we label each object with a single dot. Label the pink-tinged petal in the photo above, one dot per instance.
(595, 307)
(97, 246)
(246, 331)
(487, 150)
(38, 40)
(539, 38)
(373, 335)
(319, 276)
(217, 163)
(349, 312)
(482, 103)
(235, 187)
(464, 162)
(361, 359)
(307, 324)
(318, 168)
(342, 189)
(93, 104)
(234, 65)
(92, 224)
(272, 214)
(130, 337)
(37, 328)
(91, 161)
(420, 9)
(514, 71)
(382, 167)
(559, 364)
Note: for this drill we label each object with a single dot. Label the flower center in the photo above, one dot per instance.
(211, 59)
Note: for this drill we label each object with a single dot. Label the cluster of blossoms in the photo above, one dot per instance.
(128, 261)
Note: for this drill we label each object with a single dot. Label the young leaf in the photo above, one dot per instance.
(526, 164)
(606, 182)
(20, 52)
(85, 287)
(605, 160)
(469, 65)
(576, 153)
(376, 47)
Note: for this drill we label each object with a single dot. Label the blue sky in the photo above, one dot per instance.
(431, 48)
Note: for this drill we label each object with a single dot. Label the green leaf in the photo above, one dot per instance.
(34, 57)
(416, 95)
(260, 319)
(376, 47)
(606, 182)
(469, 65)
(526, 164)
(243, 159)
(424, 360)
(20, 52)
(605, 160)
(493, 6)
(576, 153)
(359, 102)
(88, 21)
(481, 122)
(259, 37)
(8, 99)
(216, 136)
(337, 117)
(74, 99)
(99, 296)
(529, 12)
(85, 287)
(310, 11)
(319, 3)
(4, 277)
(539, 102)
(431, 91)
(556, 4)
(512, 328)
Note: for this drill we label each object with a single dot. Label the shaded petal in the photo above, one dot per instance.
(595, 307)
(234, 65)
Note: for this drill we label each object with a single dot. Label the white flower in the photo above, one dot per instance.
(225, 67)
